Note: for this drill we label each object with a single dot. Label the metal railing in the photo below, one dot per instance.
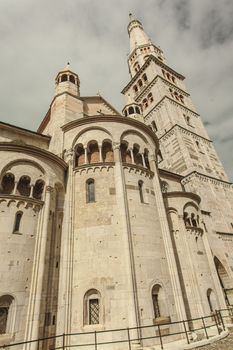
(142, 335)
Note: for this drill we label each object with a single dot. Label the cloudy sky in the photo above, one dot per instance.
(37, 38)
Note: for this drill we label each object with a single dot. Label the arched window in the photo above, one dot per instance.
(137, 110)
(72, 79)
(6, 314)
(107, 152)
(93, 156)
(125, 112)
(187, 221)
(137, 155)
(209, 298)
(8, 183)
(90, 190)
(150, 97)
(168, 76)
(125, 154)
(140, 83)
(163, 71)
(144, 77)
(131, 110)
(18, 218)
(79, 155)
(64, 77)
(155, 300)
(92, 307)
(182, 98)
(154, 126)
(140, 188)
(23, 187)
(174, 80)
(145, 103)
(193, 220)
(135, 88)
(38, 189)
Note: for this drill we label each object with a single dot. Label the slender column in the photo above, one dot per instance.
(85, 155)
(143, 160)
(35, 298)
(121, 197)
(132, 155)
(64, 313)
(176, 287)
(31, 191)
(15, 187)
(100, 153)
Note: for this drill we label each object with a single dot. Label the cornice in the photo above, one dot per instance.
(23, 131)
(153, 82)
(178, 194)
(185, 130)
(32, 150)
(111, 119)
(173, 101)
(146, 64)
(166, 173)
(204, 177)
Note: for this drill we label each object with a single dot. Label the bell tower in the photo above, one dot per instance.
(168, 109)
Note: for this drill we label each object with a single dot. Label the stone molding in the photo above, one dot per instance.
(27, 201)
(160, 103)
(177, 194)
(33, 150)
(176, 127)
(138, 169)
(111, 119)
(88, 168)
(206, 178)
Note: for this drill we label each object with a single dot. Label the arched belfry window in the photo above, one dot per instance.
(64, 77)
(18, 218)
(140, 188)
(72, 79)
(92, 307)
(90, 190)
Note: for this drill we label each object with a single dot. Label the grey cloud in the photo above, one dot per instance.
(37, 38)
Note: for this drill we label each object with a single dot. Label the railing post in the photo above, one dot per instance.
(95, 340)
(128, 333)
(216, 322)
(186, 333)
(221, 318)
(63, 341)
(203, 321)
(160, 337)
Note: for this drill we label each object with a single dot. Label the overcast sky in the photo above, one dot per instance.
(37, 38)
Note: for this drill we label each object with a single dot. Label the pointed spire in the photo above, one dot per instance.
(136, 33)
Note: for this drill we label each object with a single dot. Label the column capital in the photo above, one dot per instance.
(116, 145)
(49, 189)
(69, 154)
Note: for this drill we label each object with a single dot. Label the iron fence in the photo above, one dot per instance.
(157, 332)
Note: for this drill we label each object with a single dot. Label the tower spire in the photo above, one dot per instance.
(141, 47)
(136, 33)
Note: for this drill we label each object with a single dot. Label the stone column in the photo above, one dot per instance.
(121, 197)
(15, 187)
(34, 305)
(100, 153)
(31, 191)
(171, 261)
(85, 155)
(64, 312)
(132, 155)
(143, 160)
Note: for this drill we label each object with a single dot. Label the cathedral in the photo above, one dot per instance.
(113, 220)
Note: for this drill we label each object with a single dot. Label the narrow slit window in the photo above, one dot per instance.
(94, 311)
(18, 218)
(90, 187)
(140, 188)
